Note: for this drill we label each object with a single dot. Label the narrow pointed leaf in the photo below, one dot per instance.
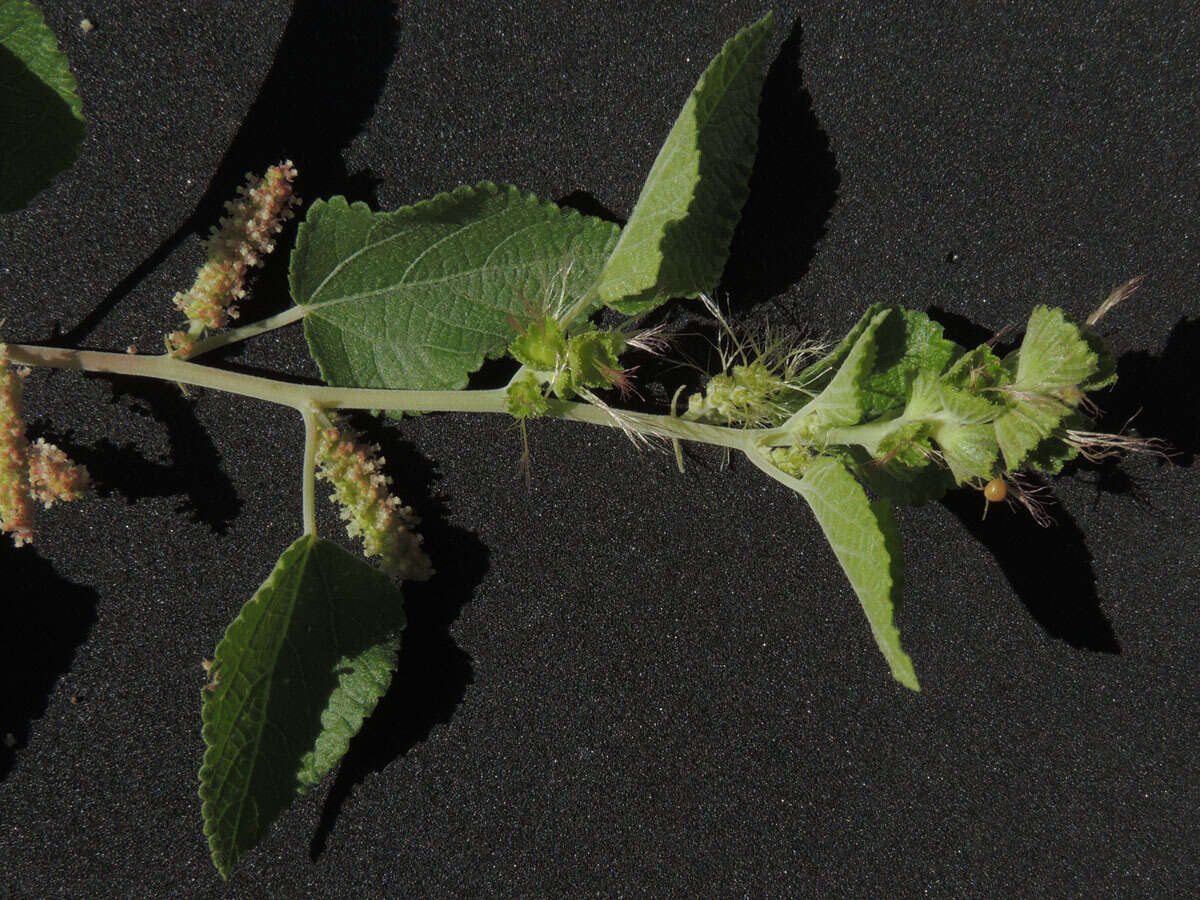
(420, 297)
(677, 239)
(41, 115)
(294, 677)
(866, 542)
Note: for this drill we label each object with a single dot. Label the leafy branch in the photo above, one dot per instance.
(400, 308)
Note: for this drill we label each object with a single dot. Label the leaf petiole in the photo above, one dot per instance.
(236, 335)
(308, 479)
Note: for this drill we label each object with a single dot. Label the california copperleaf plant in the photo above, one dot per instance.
(400, 308)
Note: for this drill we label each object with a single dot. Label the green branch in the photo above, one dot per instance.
(305, 398)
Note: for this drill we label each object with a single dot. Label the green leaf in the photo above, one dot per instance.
(541, 346)
(818, 375)
(969, 449)
(965, 407)
(593, 358)
(978, 370)
(866, 542)
(840, 403)
(41, 115)
(1054, 355)
(1106, 364)
(678, 237)
(1022, 428)
(295, 676)
(908, 342)
(418, 298)
(895, 482)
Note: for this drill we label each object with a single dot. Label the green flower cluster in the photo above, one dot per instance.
(562, 365)
(911, 413)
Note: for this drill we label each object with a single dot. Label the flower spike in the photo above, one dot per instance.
(244, 237)
(370, 510)
(16, 502)
(52, 475)
(28, 472)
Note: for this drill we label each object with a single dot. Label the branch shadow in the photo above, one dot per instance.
(45, 622)
(329, 70)
(433, 673)
(1051, 569)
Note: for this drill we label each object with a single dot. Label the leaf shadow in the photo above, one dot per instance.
(1049, 568)
(433, 673)
(329, 70)
(793, 187)
(585, 202)
(1159, 395)
(194, 466)
(31, 162)
(46, 619)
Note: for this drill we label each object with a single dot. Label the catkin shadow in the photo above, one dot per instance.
(193, 469)
(46, 619)
(433, 672)
(329, 70)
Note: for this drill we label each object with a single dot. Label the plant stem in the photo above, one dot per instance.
(304, 397)
(651, 425)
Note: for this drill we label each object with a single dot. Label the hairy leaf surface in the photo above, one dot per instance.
(867, 544)
(1054, 354)
(41, 115)
(817, 375)
(297, 672)
(419, 297)
(1057, 360)
(907, 342)
(677, 239)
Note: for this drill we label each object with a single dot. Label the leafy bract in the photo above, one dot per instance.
(419, 297)
(294, 677)
(41, 115)
(1054, 354)
(896, 482)
(865, 540)
(678, 237)
(817, 375)
(840, 403)
(969, 449)
(1056, 363)
(908, 342)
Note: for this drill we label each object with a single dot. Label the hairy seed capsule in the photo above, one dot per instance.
(995, 490)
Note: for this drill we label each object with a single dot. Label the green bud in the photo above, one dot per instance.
(525, 398)
(541, 347)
